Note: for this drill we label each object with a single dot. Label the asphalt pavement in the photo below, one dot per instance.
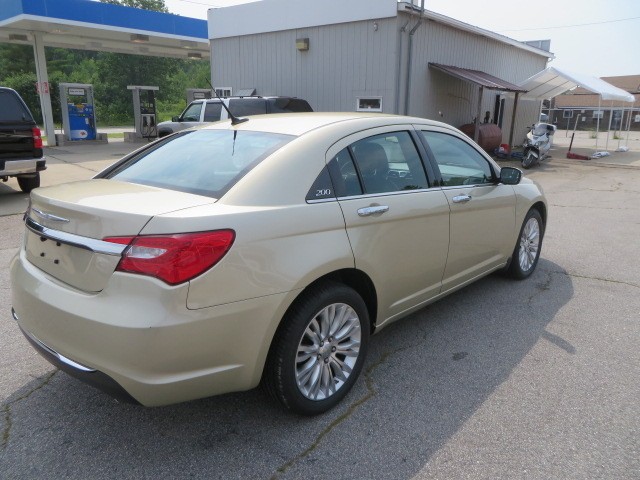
(536, 379)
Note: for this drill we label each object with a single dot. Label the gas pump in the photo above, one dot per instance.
(78, 112)
(144, 111)
(198, 94)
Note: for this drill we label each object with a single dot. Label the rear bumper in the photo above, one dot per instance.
(22, 166)
(137, 335)
(88, 375)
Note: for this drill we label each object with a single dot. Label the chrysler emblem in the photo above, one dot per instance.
(49, 216)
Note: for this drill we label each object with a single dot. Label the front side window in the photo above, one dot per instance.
(192, 113)
(459, 162)
(203, 162)
(389, 162)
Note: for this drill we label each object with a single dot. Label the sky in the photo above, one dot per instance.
(593, 37)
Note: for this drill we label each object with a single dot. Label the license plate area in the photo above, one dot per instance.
(78, 267)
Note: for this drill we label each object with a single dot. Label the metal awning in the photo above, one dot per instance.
(483, 80)
(478, 77)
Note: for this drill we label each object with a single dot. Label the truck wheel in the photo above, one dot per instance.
(28, 183)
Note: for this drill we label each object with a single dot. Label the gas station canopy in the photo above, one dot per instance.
(96, 26)
(90, 25)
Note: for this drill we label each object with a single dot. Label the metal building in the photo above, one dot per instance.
(373, 55)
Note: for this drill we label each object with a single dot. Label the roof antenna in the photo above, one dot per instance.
(234, 120)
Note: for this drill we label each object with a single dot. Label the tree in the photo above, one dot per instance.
(155, 5)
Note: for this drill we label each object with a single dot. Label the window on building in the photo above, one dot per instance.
(369, 104)
(598, 114)
(224, 91)
(567, 113)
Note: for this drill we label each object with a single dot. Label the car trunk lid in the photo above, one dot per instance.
(66, 225)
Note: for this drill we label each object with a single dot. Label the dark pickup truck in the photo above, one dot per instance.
(21, 153)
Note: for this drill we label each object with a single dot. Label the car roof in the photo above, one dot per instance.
(301, 123)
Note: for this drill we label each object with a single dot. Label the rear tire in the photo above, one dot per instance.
(28, 183)
(527, 250)
(318, 352)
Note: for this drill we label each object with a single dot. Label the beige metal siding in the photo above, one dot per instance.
(344, 61)
(439, 96)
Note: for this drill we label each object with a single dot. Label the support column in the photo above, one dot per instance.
(43, 81)
(513, 119)
(476, 133)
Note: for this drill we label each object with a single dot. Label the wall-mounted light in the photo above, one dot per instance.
(375, 26)
(139, 38)
(302, 44)
(194, 56)
(18, 37)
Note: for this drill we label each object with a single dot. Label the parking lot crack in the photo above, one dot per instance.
(7, 410)
(371, 392)
(600, 279)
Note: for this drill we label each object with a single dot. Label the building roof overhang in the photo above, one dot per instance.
(407, 7)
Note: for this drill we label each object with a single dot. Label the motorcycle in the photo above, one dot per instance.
(537, 144)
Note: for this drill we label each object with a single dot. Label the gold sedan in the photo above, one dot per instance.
(266, 251)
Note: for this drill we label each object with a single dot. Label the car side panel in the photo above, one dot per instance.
(276, 249)
(403, 250)
(481, 231)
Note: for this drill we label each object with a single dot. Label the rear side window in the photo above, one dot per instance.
(344, 175)
(203, 162)
(242, 107)
(287, 105)
(12, 110)
(212, 111)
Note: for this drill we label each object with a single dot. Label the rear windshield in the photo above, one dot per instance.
(203, 162)
(12, 110)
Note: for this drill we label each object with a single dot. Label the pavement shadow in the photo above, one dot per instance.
(424, 378)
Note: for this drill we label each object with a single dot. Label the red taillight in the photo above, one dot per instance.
(37, 137)
(175, 258)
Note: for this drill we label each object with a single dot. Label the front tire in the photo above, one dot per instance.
(529, 159)
(318, 352)
(28, 183)
(527, 250)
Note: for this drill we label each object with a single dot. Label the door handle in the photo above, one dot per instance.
(461, 198)
(372, 210)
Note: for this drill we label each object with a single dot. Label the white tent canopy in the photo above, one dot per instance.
(553, 81)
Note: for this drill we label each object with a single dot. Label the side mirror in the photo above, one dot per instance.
(510, 176)
(175, 119)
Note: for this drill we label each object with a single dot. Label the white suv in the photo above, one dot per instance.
(211, 110)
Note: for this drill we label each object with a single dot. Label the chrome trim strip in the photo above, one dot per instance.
(49, 216)
(91, 244)
(14, 314)
(385, 194)
(62, 358)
